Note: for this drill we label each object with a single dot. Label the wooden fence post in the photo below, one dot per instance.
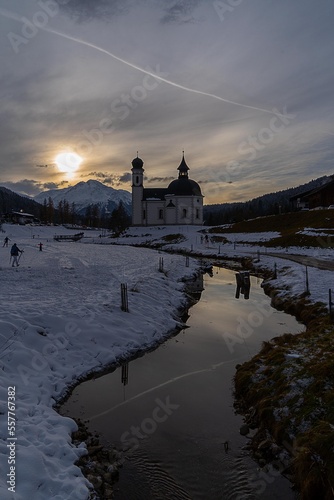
(124, 297)
(306, 281)
(330, 304)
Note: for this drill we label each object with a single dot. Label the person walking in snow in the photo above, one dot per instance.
(5, 243)
(14, 253)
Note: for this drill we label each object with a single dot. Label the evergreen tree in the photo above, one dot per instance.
(120, 220)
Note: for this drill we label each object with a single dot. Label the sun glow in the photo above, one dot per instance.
(68, 162)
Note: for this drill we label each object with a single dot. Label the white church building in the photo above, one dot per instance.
(180, 203)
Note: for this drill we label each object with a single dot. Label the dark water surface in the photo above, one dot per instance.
(172, 409)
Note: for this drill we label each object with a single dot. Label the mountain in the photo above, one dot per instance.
(10, 201)
(267, 204)
(85, 194)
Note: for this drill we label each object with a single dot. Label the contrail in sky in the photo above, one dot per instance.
(11, 15)
(150, 73)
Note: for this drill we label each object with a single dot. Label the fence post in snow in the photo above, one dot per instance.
(275, 271)
(161, 264)
(124, 297)
(306, 281)
(330, 304)
(187, 260)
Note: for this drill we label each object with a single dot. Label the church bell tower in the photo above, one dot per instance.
(137, 191)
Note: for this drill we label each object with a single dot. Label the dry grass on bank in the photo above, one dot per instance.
(290, 387)
(290, 227)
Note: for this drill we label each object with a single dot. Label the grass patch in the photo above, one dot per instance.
(173, 238)
(290, 386)
(290, 227)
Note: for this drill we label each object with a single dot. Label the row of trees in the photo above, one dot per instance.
(65, 213)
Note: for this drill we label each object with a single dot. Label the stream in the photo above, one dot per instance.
(171, 410)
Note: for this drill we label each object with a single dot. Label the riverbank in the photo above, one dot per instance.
(286, 392)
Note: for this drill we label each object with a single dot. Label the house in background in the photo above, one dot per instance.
(322, 196)
(21, 217)
(180, 203)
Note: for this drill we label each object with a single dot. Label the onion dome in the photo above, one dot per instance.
(137, 162)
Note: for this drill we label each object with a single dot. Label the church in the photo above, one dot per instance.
(180, 203)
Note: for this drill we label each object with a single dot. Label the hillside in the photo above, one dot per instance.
(294, 228)
(10, 201)
(268, 204)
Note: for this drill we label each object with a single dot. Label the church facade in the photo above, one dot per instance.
(180, 203)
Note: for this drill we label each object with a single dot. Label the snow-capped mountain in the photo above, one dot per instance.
(88, 193)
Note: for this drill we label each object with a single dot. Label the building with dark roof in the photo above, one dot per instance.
(180, 203)
(322, 196)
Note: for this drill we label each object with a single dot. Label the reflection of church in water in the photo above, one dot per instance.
(180, 203)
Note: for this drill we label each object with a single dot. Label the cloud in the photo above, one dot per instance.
(30, 187)
(88, 10)
(180, 12)
(52, 185)
(82, 11)
(160, 179)
(109, 178)
(125, 178)
(27, 187)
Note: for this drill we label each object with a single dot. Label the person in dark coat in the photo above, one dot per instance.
(14, 252)
(5, 243)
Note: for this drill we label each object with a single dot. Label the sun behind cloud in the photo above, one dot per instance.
(68, 162)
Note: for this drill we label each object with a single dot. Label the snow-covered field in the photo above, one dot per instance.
(61, 319)
(290, 275)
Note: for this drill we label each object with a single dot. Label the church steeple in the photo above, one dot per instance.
(183, 168)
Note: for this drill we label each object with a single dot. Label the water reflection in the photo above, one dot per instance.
(243, 284)
(125, 374)
(197, 452)
(196, 287)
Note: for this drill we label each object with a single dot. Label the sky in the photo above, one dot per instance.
(243, 87)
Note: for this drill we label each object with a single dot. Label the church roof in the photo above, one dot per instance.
(183, 167)
(137, 163)
(184, 187)
(154, 193)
